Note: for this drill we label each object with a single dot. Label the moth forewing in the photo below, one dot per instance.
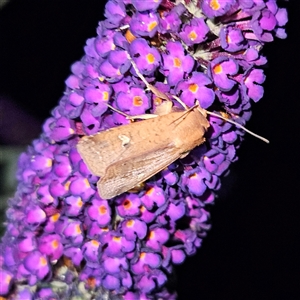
(139, 150)
(189, 130)
(96, 150)
(124, 175)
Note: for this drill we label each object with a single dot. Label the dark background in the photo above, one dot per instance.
(252, 251)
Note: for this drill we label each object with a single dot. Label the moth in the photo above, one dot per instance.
(128, 155)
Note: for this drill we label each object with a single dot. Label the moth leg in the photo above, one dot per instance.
(128, 117)
(180, 102)
(162, 109)
(183, 155)
(236, 124)
(139, 187)
(152, 88)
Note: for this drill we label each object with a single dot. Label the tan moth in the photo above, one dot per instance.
(126, 156)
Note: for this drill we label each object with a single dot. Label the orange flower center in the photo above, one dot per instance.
(150, 58)
(177, 62)
(137, 101)
(193, 87)
(192, 35)
(218, 69)
(214, 4)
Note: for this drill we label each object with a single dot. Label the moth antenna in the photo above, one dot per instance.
(118, 111)
(151, 87)
(238, 125)
(180, 102)
(123, 27)
(128, 117)
(186, 112)
(137, 71)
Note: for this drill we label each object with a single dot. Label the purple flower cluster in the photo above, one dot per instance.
(58, 224)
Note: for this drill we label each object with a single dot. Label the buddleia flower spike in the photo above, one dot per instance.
(62, 240)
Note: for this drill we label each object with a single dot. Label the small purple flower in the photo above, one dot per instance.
(110, 282)
(152, 260)
(199, 222)
(62, 166)
(98, 97)
(89, 49)
(195, 32)
(75, 254)
(212, 160)
(134, 228)
(34, 215)
(37, 264)
(73, 232)
(126, 279)
(230, 136)
(154, 195)
(151, 280)
(100, 212)
(75, 205)
(176, 210)
(73, 82)
(216, 8)
(115, 12)
(229, 98)
(146, 5)
(156, 238)
(263, 23)
(194, 181)
(146, 215)
(176, 62)
(59, 129)
(6, 279)
(95, 231)
(81, 187)
(252, 56)
(111, 74)
(119, 60)
(90, 123)
(144, 23)
(113, 265)
(177, 256)
(282, 18)
(196, 88)
(169, 22)
(221, 70)
(117, 245)
(135, 101)
(73, 111)
(128, 205)
(253, 79)
(51, 245)
(189, 239)
(171, 178)
(41, 164)
(232, 39)
(105, 43)
(146, 58)
(28, 242)
(51, 223)
(90, 252)
(91, 276)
